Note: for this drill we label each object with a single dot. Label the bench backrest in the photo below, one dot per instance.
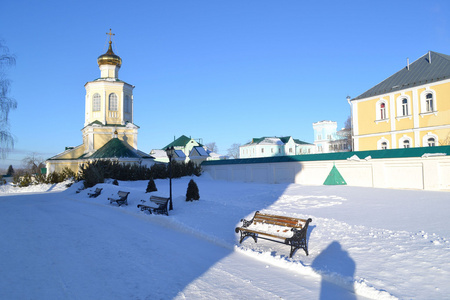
(278, 220)
(123, 194)
(159, 200)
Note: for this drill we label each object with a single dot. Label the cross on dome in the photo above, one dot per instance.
(110, 34)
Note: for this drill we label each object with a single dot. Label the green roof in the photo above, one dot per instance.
(374, 154)
(182, 141)
(114, 148)
(424, 70)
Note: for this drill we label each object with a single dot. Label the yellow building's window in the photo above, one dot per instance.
(113, 102)
(383, 111)
(429, 102)
(405, 110)
(406, 144)
(96, 102)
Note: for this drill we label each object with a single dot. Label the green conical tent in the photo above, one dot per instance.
(335, 178)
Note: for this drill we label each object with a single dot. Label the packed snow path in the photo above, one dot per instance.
(362, 243)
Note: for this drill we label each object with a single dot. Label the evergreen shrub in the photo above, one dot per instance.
(151, 186)
(98, 170)
(192, 192)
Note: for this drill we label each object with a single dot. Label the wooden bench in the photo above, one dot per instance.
(160, 201)
(122, 198)
(280, 229)
(96, 193)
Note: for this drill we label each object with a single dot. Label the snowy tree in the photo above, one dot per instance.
(6, 103)
(33, 163)
(349, 131)
(212, 146)
(233, 151)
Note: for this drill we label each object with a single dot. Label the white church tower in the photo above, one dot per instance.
(108, 105)
(108, 132)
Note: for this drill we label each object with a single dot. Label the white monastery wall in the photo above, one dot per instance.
(432, 173)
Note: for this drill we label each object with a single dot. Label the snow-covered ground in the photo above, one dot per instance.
(363, 243)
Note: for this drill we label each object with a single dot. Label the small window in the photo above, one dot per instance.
(384, 145)
(271, 150)
(262, 150)
(319, 137)
(96, 102)
(405, 110)
(112, 102)
(329, 137)
(429, 105)
(279, 150)
(383, 111)
(406, 144)
(431, 142)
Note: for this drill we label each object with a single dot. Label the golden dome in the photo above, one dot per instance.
(109, 58)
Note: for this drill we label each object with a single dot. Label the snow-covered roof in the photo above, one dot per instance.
(158, 153)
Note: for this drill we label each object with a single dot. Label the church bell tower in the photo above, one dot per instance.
(108, 105)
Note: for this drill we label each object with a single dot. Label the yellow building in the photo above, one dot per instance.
(409, 109)
(109, 131)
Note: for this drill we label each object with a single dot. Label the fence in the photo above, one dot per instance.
(426, 168)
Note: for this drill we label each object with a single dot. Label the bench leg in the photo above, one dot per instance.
(245, 234)
(297, 241)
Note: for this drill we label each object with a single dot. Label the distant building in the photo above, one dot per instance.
(274, 146)
(411, 108)
(327, 139)
(186, 149)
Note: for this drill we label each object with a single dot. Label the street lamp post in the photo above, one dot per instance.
(170, 152)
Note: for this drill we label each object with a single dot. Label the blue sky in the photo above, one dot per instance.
(223, 71)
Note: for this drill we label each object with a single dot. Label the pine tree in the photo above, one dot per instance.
(10, 171)
(192, 192)
(151, 187)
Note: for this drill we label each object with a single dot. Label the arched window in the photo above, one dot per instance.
(382, 144)
(429, 105)
(406, 143)
(428, 102)
(381, 110)
(96, 102)
(405, 111)
(403, 106)
(430, 140)
(113, 102)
